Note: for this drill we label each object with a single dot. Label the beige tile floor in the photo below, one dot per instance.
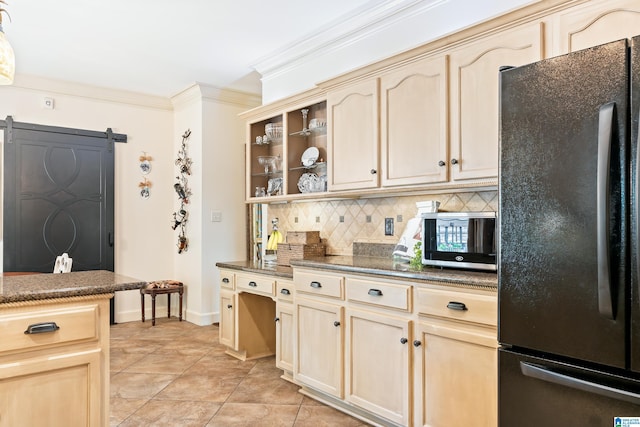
(176, 374)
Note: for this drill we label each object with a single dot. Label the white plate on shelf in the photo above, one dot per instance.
(310, 156)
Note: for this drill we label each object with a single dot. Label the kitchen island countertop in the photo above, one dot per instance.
(380, 266)
(34, 287)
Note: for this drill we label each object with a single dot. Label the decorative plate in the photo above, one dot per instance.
(310, 156)
(145, 167)
(307, 182)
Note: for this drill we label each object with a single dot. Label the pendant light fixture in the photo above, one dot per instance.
(7, 58)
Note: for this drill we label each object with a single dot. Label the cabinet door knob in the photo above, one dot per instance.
(441, 163)
(225, 280)
(277, 319)
(373, 171)
(417, 343)
(454, 161)
(285, 292)
(403, 340)
(316, 285)
(253, 284)
(336, 323)
(229, 306)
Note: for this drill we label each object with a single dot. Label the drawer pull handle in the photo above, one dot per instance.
(285, 292)
(253, 284)
(460, 306)
(417, 343)
(336, 323)
(225, 280)
(41, 328)
(403, 340)
(315, 284)
(375, 292)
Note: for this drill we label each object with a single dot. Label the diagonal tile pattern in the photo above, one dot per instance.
(177, 374)
(339, 236)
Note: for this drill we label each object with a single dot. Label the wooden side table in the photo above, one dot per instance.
(161, 287)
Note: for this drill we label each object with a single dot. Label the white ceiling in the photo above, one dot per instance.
(161, 47)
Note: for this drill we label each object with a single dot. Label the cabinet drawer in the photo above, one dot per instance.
(73, 325)
(227, 280)
(256, 284)
(284, 290)
(458, 305)
(319, 284)
(379, 294)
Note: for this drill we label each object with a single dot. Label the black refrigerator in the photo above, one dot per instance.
(568, 293)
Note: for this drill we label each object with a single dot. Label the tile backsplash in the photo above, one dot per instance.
(343, 222)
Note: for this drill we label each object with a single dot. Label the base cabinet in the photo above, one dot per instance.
(378, 371)
(285, 327)
(58, 376)
(247, 311)
(456, 357)
(39, 392)
(228, 319)
(456, 376)
(319, 353)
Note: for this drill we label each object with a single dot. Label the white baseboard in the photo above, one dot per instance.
(200, 319)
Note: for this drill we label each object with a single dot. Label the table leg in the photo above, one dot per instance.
(153, 309)
(142, 305)
(168, 305)
(180, 310)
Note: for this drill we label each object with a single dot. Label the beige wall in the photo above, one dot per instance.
(342, 222)
(145, 244)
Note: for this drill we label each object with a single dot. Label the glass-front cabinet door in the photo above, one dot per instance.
(286, 154)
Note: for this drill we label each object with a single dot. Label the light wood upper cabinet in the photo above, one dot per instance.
(353, 137)
(596, 23)
(414, 119)
(475, 96)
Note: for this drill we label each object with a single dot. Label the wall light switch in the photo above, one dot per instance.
(216, 216)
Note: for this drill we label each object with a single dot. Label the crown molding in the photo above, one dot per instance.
(61, 87)
(365, 21)
(201, 91)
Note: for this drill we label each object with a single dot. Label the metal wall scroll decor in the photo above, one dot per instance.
(183, 162)
(145, 168)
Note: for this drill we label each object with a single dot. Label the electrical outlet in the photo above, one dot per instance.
(216, 216)
(388, 226)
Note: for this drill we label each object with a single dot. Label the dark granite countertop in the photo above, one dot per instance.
(380, 266)
(44, 286)
(257, 267)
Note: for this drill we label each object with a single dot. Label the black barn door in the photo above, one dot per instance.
(58, 197)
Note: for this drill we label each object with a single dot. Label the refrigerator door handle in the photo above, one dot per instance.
(605, 135)
(541, 373)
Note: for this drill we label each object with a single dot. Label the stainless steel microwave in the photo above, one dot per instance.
(459, 240)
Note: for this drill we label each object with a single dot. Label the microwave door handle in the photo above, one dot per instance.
(605, 134)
